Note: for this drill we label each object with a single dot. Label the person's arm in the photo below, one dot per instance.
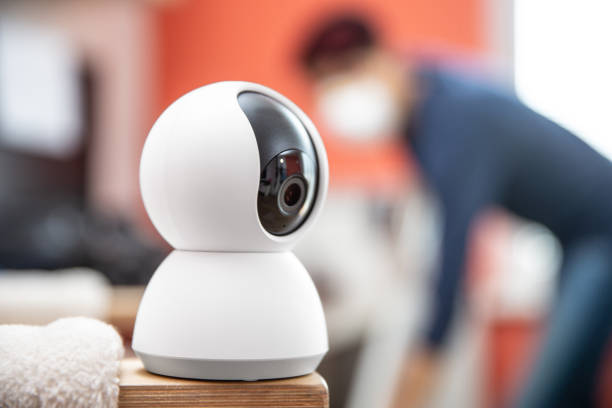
(465, 177)
(464, 194)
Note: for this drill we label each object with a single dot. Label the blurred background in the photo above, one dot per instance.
(81, 83)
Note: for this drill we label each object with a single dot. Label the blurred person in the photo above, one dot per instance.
(479, 147)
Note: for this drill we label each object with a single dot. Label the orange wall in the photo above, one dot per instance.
(208, 41)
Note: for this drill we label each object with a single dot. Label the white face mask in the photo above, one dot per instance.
(362, 110)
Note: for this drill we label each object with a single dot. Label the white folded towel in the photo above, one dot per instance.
(72, 362)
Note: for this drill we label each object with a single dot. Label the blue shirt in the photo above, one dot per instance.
(479, 147)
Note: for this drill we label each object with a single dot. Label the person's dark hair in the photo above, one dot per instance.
(338, 39)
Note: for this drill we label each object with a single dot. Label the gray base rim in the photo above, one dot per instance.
(228, 370)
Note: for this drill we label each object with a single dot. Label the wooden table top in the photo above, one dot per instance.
(139, 388)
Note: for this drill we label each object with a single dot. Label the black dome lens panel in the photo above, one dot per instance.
(288, 162)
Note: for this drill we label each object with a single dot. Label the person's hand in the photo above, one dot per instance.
(416, 380)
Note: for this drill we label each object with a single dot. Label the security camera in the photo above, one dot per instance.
(232, 175)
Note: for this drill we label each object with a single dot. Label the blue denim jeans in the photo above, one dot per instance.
(566, 367)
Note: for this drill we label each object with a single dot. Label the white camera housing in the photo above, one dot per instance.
(231, 302)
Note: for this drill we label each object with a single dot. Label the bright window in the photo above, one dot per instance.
(563, 64)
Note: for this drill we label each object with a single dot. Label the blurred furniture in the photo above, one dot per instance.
(139, 388)
(123, 308)
(39, 297)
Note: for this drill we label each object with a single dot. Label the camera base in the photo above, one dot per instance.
(245, 370)
(230, 316)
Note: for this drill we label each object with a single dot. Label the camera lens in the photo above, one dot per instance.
(291, 195)
(287, 189)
